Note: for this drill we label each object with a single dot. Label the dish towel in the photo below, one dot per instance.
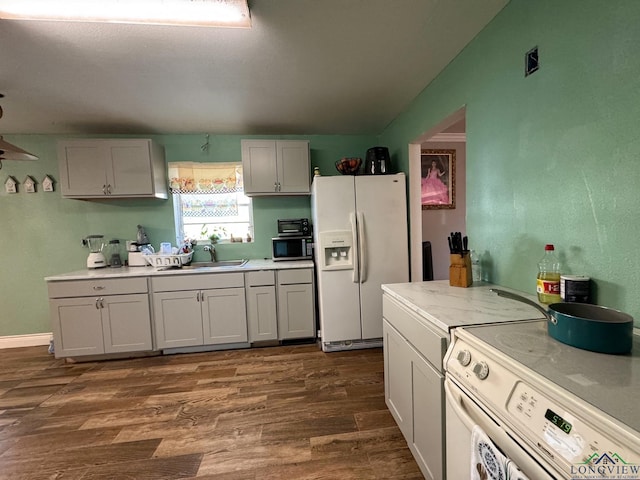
(488, 463)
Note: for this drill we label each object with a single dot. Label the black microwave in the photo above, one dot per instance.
(292, 248)
(294, 227)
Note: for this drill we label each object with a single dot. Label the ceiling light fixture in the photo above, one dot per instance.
(203, 13)
(8, 151)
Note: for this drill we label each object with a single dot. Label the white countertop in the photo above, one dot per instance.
(124, 272)
(447, 307)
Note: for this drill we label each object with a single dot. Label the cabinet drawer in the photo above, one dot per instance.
(298, 275)
(427, 341)
(261, 278)
(197, 282)
(88, 288)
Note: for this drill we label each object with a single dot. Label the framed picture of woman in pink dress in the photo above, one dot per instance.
(438, 182)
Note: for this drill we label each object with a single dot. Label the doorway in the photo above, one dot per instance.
(435, 225)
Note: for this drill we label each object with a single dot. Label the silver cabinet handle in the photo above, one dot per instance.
(97, 304)
(197, 296)
(275, 186)
(279, 187)
(99, 287)
(104, 189)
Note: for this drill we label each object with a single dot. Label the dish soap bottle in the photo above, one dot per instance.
(548, 284)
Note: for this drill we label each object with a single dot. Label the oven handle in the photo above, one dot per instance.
(499, 436)
(457, 404)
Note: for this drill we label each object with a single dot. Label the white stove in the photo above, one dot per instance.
(557, 411)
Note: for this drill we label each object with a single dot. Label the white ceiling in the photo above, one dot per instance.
(305, 67)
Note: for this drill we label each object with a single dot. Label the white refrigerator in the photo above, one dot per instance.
(360, 242)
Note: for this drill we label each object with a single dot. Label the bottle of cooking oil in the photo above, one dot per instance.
(548, 284)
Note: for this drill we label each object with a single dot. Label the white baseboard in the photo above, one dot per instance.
(32, 340)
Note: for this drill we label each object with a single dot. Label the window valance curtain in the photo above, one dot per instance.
(193, 178)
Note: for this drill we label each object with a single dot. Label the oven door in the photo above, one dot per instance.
(462, 414)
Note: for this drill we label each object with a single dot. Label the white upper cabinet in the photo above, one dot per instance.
(276, 167)
(112, 168)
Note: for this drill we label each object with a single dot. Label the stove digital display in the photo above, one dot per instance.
(558, 421)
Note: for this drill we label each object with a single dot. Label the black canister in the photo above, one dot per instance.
(377, 161)
(575, 288)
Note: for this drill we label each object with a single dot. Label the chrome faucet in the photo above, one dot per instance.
(212, 251)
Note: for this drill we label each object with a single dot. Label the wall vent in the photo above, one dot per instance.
(531, 61)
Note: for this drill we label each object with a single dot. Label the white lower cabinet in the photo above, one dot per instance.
(397, 379)
(413, 387)
(262, 315)
(282, 309)
(126, 325)
(428, 427)
(93, 317)
(224, 316)
(114, 315)
(296, 304)
(178, 319)
(213, 314)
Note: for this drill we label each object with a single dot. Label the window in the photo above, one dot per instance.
(208, 200)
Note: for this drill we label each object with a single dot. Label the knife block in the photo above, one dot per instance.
(460, 270)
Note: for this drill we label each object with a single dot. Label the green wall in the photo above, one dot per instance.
(554, 157)
(41, 232)
(551, 158)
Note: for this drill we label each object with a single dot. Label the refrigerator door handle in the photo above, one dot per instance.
(354, 234)
(362, 244)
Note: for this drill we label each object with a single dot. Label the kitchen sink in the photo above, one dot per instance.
(218, 264)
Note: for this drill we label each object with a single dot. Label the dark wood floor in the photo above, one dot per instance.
(282, 413)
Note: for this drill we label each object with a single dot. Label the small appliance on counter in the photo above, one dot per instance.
(137, 250)
(377, 161)
(294, 227)
(142, 237)
(115, 260)
(292, 248)
(136, 259)
(96, 258)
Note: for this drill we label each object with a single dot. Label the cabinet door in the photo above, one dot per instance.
(428, 419)
(111, 168)
(82, 167)
(129, 168)
(77, 326)
(259, 169)
(296, 311)
(294, 174)
(224, 316)
(178, 319)
(261, 313)
(126, 323)
(397, 379)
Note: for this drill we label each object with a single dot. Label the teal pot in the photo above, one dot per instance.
(585, 326)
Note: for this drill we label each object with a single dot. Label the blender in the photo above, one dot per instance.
(96, 257)
(115, 260)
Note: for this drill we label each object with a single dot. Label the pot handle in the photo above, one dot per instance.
(520, 298)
